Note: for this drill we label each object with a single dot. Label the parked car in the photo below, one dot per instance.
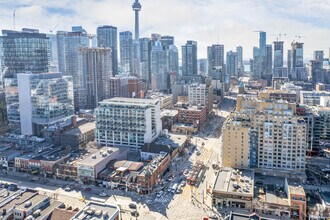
(132, 206)
(170, 178)
(103, 194)
(213, 216)
(183, 183)
(160, 193)
(88, 189)
(67, 189)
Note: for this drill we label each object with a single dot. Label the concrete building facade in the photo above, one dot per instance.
(127, 122)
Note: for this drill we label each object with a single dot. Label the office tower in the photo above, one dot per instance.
(215, 57)
(262, 54)
(126, 40)
(166, 40)
(316, 71)
(13, 113)
(316, 67)
(189, 58)
(45, 99)
(3, 113)
(173, 59)
(278, 54)
(202, 65)
(107, 37)
(277, 137)
(256, 63)
(280, 72)
(297, 54)
(159, 68)
(145, 59)
(1, 55)
(251, 65)
(53, 55)
(72, 42)
(289, 62)
(231, 63)
(239, 51)
(318, 56)
(127, 122)
(136, 58)
(299, 71)
(95, 70)
(60, 35)
(269, 62)
(22, 51)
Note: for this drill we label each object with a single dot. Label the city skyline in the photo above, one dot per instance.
(223, 23)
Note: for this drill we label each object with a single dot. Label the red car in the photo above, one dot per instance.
(88, 189)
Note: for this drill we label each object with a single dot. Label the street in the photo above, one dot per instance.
(192, 203)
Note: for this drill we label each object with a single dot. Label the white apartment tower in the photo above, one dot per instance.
(127, 122)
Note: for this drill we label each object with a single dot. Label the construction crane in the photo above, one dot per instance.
(14, 19)
(51, 31)
(299, 37)
(258, 31)
(278, 38)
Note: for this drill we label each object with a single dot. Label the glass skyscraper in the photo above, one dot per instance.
(26, 50)
(189, 58)
(72, 42)
(107, 37)
(126, 40)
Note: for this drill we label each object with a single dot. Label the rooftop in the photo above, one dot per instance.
(297, 190)
(47, 211)
(8, 152)
(233, 181)
(94, 210)
(278, 91)
(239, 216)
(62, 214)
(131, 101)
(168, 112)
(96, 157)
(128, 165)
(152, 166)
(18, 199)
(84, 128)
(34, 200)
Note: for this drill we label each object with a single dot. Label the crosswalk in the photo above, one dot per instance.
(164, 199)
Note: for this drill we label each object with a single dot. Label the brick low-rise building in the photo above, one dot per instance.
(195, 115)
(152, 173)
(78, 137)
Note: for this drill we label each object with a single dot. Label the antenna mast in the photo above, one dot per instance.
(14, 18)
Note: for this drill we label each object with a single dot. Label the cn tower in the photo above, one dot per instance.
(136, 7)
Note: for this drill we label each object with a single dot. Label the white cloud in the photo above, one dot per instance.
(207, 21)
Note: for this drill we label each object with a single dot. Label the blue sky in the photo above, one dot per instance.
(207, 21)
